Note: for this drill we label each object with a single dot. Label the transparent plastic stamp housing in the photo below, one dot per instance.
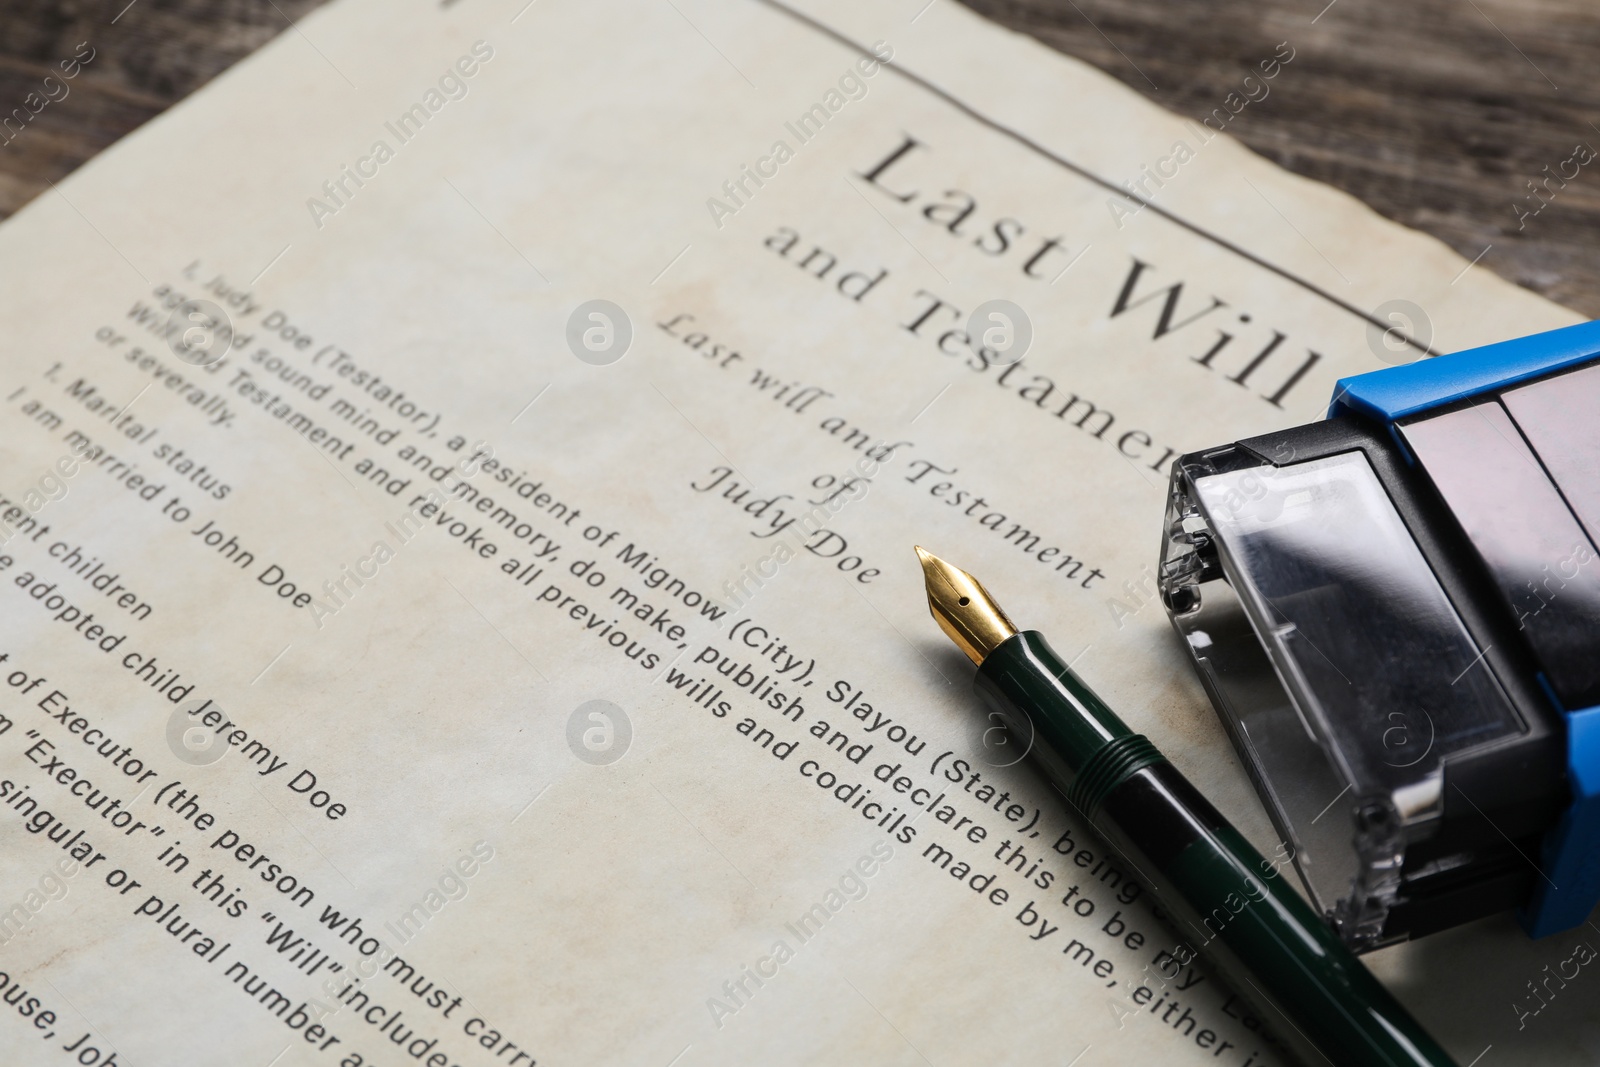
(1396, 614)
(1322, 633)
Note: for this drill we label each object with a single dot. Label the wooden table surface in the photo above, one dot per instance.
(1440, 114)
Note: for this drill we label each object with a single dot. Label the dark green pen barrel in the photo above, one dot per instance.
(1228, 905)
(1236, 912)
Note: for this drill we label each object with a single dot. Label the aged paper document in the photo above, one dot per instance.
(457, 603)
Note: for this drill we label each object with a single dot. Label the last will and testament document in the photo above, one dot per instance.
(457, 603)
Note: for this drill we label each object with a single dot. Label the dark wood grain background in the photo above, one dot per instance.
(1438, 113)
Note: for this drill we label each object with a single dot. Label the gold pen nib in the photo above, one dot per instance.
(963, 608)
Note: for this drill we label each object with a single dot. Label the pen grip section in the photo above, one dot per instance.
(1060, 722)
(1227, 904)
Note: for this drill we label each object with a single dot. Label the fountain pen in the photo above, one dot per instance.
(1226, 903)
